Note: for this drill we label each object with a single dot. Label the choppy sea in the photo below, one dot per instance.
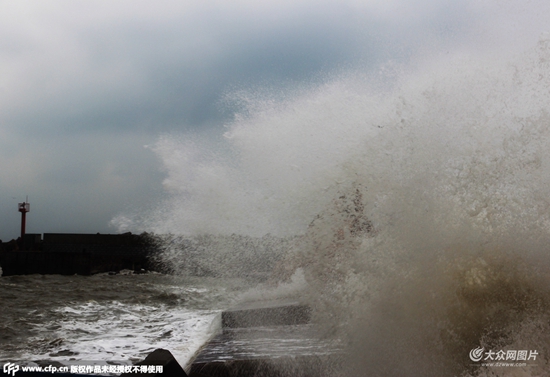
(104, 318)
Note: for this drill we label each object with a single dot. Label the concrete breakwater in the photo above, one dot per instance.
(69, 254)
(267, 339)
(251, 258)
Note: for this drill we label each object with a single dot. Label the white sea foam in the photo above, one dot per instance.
(121, 332)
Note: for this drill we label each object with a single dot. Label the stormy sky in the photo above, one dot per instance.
(86, 86)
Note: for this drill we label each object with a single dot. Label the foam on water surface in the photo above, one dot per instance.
(108, 319)
(123, 332)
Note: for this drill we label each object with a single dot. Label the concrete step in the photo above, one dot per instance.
(271, 314)
(267, 339)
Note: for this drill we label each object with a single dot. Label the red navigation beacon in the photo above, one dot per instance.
(23, 208)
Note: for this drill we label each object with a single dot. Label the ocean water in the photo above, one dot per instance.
(94, 320)
(414, 208)
(411, 201)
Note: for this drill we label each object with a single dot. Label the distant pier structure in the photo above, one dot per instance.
(24, 208)
(82, 254)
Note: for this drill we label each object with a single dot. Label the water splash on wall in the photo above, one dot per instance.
(418, 202)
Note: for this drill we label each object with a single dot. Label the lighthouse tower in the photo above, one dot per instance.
(24, 208)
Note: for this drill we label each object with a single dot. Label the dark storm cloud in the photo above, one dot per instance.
(84, 86)
(156, 76)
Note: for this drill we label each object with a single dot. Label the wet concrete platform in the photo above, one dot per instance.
(271, 313)
(267, 339)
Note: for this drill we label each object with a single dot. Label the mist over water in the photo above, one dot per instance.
(420, 196)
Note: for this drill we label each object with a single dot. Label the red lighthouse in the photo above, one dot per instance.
(23, 208)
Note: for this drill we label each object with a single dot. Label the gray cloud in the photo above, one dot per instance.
(85, 86)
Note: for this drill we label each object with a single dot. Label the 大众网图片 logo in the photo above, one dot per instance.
(478, 354)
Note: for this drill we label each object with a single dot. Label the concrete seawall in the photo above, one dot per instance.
(251, 258)
(267, 339)
(83, 254)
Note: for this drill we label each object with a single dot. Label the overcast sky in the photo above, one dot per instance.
(86, 85)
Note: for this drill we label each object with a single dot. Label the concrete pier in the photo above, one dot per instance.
(69, 254)
(267, 339)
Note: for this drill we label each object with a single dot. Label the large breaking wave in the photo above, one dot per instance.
(415, 201)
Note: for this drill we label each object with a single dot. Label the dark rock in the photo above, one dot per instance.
(64, 353)
(170, 367)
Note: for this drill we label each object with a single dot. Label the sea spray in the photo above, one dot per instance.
(416, 205)
(455, 185)
(222, 256)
